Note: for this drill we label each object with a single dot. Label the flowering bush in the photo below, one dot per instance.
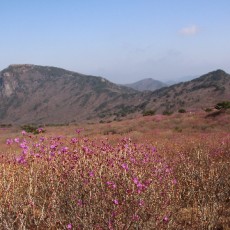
(82, 183)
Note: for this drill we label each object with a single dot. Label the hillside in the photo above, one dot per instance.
(50, 95)
(147, 84)
(38, 94)
(199, 93)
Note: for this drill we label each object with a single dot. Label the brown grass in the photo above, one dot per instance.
(158, 172)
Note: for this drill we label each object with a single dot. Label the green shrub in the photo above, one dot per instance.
(208, 110)
(178, 129)
(5, 125)
(32, 129)
(166, 112)
(182, 111)
(149, 113)
(223, 105)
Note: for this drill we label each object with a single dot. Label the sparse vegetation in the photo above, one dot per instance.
(149, 113)
(208, 110)
(182, 111)
(5, 125)
(119, 181)
(166, 112)
(178, 129)
(223, 105)
(32, 129)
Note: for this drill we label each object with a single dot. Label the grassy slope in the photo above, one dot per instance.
(188, 188)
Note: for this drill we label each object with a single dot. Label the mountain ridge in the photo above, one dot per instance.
(199, 93)
(51, 88)
(51, 95)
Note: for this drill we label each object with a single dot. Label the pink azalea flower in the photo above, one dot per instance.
(136, 217)
(135, 180)
(69, 226)
(42, 139)
(174, 181)
(125, 166)
(21, 160)
(91, 174)
(9, 141)
(24, 132)
(165, 219)
(64, 149)
(53, 147)
(23, 145)
(74, 140)
(115, 202)
(141, 203)
(16, 140)
(111, 184)
(79, 202)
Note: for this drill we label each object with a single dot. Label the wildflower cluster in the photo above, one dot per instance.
(83, 183)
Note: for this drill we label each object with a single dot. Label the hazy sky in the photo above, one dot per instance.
(121, 40)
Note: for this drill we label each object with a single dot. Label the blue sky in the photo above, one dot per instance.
(121, 40)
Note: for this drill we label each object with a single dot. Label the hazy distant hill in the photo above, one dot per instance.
(49, 95)
(147, 84)
(179, 80)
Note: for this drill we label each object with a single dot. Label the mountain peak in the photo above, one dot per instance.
(20, 65)
(219, 71)
(213, 76)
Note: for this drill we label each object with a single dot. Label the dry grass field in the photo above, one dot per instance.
(153, 172)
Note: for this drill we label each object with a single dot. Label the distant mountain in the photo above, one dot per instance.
(50, 95)
(147, 84)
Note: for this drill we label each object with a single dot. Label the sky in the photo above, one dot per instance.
(121, 40)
